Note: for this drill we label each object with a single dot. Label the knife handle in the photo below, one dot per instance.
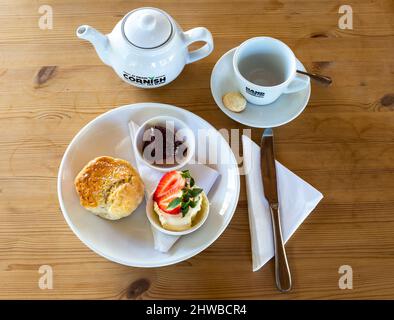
(282, 270)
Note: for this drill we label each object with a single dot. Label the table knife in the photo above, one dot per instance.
(268, 174)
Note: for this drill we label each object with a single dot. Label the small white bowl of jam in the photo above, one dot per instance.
(164, 143)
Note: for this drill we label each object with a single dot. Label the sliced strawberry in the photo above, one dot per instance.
(171, 182)
(164, 201)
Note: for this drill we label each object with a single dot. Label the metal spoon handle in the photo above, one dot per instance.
(319, 78)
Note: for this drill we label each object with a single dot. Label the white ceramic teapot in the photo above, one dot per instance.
(147, 48)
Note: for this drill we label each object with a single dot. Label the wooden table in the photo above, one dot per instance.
(343, 144)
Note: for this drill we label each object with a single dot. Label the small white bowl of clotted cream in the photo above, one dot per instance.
(177, 206)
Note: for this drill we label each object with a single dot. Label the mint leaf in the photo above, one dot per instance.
(186, 197)
(193, 204)
(188, 194)
(184, 211)
(195, 192)
(185, 174)
(185, 204)
(174, 203)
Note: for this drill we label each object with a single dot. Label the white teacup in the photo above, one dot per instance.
(265, 68)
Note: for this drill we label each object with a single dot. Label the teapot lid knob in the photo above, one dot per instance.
(147, 22)
(147, 28)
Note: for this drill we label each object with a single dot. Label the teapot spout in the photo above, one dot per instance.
(97, 39)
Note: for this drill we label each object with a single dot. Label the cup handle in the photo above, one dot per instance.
(300, 81)
(198, 34)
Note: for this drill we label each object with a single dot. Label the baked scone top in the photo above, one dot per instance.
(109, 184)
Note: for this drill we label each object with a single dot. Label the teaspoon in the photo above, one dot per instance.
(324, 80)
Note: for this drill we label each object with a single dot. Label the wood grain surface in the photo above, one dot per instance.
(52, 84)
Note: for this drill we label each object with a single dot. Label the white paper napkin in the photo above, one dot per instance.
(204, 176)
(297, 199)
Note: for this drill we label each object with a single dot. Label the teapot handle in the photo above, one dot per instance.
(198, 34)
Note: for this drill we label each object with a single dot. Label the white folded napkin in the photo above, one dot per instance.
(204, 176)
(297, 199)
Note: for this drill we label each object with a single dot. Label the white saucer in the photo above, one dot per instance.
(129, 241)
(278, 113)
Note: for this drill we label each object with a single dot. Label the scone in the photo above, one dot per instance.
(110, 188)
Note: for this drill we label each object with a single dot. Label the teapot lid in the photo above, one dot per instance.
(147, 28)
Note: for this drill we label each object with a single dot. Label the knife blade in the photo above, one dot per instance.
(268, 169)
(268, 174)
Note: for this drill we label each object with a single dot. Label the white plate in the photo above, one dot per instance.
(278, 113)
(129, 241)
